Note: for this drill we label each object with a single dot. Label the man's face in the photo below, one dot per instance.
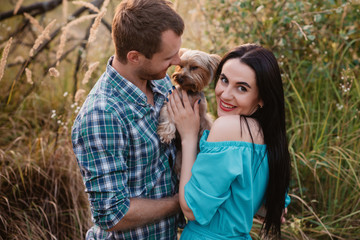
(156, 67)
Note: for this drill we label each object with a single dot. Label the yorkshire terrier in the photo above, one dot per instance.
(195, 72)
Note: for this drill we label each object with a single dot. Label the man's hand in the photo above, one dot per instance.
(144, 211)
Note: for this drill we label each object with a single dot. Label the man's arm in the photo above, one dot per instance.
(105, 173)
(143, 211)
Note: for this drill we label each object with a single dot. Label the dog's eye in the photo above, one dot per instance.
(192, 68)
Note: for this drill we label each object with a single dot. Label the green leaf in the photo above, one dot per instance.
(317, 18)
(311, 37)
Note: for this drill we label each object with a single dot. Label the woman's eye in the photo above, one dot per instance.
(242, 89)
(224, 80)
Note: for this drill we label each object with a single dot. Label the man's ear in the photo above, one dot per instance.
(134, 56)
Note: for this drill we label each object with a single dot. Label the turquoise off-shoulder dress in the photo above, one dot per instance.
(227, 188)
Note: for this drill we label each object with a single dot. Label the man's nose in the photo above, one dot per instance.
(176, 60)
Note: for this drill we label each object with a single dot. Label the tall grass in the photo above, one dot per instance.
(42, 194)
(317, 45)
(41, 190)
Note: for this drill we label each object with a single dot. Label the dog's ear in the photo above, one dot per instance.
(182, 50)
(214, 61)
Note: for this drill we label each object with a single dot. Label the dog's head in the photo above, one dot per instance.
(196, 69)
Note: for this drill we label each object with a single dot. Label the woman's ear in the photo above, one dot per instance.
(261, 103)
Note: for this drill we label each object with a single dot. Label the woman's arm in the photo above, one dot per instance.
(187, 121)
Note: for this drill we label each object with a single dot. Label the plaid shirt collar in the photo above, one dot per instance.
(131, 92)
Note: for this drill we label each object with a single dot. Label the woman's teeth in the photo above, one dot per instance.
(227, 105)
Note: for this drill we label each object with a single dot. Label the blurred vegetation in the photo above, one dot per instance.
(317, 45)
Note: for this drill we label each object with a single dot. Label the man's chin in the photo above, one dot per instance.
(158, 76)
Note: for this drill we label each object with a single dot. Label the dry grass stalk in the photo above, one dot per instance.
(88, 73)
(40, 39)
(18, 6)
(65, 9)
(34, 22)
(80, 20)
(79, 94)
(54, 72)
(29, 76)
(60, 50)
(105, 4)
(19, 59)
(86, 4)
(65, 30)
(95, 26)
(4, 57)
(301, 30)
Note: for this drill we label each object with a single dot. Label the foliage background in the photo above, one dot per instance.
(316, 43)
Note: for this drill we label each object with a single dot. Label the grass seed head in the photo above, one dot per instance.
(4, 57)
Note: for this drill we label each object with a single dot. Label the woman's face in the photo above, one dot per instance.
(236, 90)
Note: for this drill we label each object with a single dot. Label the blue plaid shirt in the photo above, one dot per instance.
(120, 155)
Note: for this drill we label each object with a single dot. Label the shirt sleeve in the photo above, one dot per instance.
(98, 143)
(209, 185)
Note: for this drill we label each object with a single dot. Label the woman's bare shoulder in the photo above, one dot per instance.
(231, 128)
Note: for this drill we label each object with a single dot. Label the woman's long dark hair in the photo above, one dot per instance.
(271, 118)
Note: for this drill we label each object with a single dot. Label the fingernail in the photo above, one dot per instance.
(167, 99)
(173, 87)
(170, 91)
(199, 101)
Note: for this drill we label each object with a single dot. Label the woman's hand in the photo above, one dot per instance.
(187, 119)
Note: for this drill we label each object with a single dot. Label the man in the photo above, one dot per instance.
(128, 173)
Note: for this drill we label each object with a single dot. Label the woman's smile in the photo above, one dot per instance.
(226, 106)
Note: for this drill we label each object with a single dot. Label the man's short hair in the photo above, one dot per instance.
(138, 25)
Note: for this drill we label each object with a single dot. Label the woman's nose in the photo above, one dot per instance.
(226, 94)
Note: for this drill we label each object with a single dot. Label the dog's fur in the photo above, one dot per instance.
(194, 73)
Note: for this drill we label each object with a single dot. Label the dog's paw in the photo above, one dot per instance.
(166, 132)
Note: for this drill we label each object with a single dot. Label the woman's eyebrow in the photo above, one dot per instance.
(237, 83)
(243, 83)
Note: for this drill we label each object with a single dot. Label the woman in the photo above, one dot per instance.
(244, 160)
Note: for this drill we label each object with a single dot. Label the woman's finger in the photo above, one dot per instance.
(186, 99)
(173, 101)
(177, 99)
(197, 107)
(170, 110)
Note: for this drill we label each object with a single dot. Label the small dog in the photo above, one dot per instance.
(194, 73)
